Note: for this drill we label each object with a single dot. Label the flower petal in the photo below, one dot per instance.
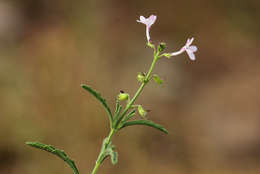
(189, 41)
(193, 48)
(151, 20)
(142, 18)
(190, 54)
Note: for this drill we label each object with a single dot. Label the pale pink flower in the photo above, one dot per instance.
(148, 22)
(190, 49)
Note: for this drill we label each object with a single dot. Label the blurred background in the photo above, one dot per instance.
(210, 106)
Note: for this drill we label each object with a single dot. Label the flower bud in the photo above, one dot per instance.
(161, 46)
(141, 111)
(122, 96)
(141, 77)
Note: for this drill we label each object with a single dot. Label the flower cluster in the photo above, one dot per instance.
(188, 48)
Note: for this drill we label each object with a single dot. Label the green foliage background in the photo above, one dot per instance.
(210, 107)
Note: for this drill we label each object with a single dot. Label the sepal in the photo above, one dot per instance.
(157, 79)
(167, 55)
(142, 111)
(149, 44)
(140, 77)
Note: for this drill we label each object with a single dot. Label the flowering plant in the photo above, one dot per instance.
(122, 118)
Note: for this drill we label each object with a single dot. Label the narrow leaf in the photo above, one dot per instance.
(60, 153)
(146, 123)
(117, 106)
(101, 99)
(116, 116)
(129, 116)
(157, 79)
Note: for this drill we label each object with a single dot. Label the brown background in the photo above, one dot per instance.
(210, 106)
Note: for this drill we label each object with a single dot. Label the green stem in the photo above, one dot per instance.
(99, 161)
(111, 133)
(138, 92)
(128, 106)
(96, 168)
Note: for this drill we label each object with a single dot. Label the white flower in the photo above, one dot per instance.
(148, 22)
(190, 49)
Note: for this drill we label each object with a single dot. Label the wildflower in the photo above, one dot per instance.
(148, 22)
(190, 49)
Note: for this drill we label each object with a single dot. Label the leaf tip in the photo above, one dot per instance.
(29, 143)
(83, 85)
(165, 131)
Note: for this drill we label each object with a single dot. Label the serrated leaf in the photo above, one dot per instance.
(146, 123)
(60, 153)
(157, 79)
(101, 99)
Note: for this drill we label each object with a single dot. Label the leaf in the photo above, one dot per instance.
(102, 100)
(129, 116)
(141, 111)
(114, 157)
(157, 79)
(106, 151)
(117, 106)
(146, 123)
(116, 116)
(60, 153)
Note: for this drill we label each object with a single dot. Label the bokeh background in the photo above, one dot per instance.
(210, 106)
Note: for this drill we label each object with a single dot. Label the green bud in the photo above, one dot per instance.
(141, 111)
(123, 96)
(141, 77)
(161, 46)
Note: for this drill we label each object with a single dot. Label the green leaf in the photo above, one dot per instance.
(102, 100)
(117, 106)
(106, 151)
(114, 157)
(146, 123)
(129, 116)
(60, 153)
(142, 111)
(116, 116)
(157, 79)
